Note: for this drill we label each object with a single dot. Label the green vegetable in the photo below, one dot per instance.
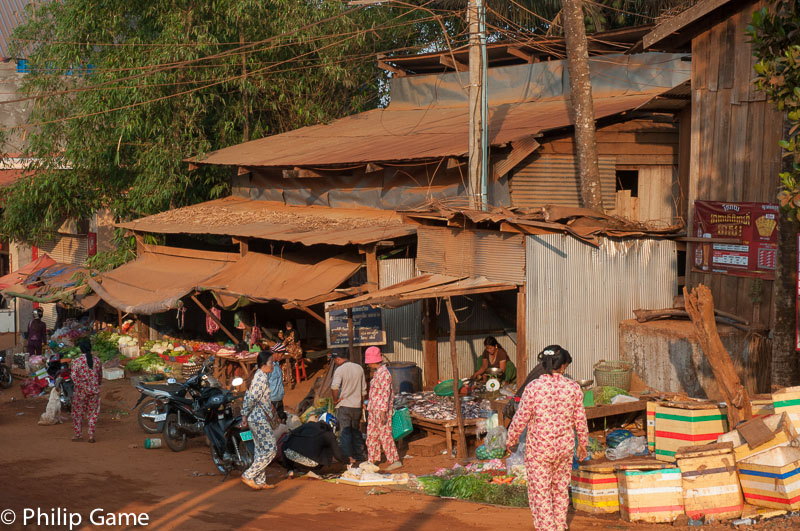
(607, 393)
(431, 484)
(464, 486)
(144, 362)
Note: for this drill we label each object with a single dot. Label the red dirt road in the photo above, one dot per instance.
(43, 469)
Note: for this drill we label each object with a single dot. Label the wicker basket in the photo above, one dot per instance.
(613, 374)
(189, 369)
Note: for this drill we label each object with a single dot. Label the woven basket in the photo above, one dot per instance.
(613, 374)
(189, 369)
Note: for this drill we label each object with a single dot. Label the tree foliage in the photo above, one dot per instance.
(775, 35)
(122, 92)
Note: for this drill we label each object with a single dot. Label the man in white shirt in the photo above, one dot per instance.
(349, 388)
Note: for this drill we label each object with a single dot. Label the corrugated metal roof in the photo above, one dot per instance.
(12, 14)
(268, 220)
(385, 135)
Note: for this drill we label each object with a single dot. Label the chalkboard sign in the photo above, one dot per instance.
(367, 327)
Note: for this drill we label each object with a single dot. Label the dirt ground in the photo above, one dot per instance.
(41, 468)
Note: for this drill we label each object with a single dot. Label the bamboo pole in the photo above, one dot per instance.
(461, 448)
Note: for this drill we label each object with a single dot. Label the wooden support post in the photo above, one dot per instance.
(429, 347)
(119, 319)
(700, 306)
(139, 243)
(244, 245)
(373, 281)
(140, 329)
(522, 337)
(354, 357)
(214, 318)
(461, 448)
(312, 313)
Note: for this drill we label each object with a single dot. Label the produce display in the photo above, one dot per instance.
(489, 483)
(430, 406)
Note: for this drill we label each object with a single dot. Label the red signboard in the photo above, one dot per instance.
(753, 226)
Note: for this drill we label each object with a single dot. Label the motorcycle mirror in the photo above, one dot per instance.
(171, 380)
(237, 381)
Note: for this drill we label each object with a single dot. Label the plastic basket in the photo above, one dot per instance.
(401, 423)
(613, 374)
(189, 369)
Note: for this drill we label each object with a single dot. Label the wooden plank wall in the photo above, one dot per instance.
(734, 148)
(650, 146)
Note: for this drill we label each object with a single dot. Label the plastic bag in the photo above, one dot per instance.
(496, 439)
(616, 437)
(517, 458)
(628, 447)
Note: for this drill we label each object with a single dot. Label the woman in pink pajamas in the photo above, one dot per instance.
(380, 408)
(552, 410)
(86, 373)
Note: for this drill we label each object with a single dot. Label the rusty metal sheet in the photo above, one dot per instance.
(495, 255)
(269, 220)
(12, 14)
(386, 135)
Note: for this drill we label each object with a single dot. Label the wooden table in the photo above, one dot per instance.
(596, 412)
(226, 368)
(446, 428)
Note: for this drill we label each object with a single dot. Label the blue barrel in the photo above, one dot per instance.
(405, 377)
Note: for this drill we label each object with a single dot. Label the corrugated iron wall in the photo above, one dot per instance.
(552, 179)
(577, 294)
(494, 255)
(403, 325)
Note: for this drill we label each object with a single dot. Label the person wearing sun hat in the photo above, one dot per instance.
(380, 408)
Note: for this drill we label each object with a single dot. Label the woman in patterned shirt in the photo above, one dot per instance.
(552, 410)
(257, 411)
(86, 372)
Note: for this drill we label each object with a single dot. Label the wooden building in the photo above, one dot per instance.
(734, 132)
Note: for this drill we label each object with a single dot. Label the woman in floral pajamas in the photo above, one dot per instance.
(552, 410)
(86, 373)
(380, 408)
(257, 411)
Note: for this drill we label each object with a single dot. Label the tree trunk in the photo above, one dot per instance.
(784, 296)
(582, 104)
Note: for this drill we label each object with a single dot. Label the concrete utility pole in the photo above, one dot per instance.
(478, 106)
(580, 88)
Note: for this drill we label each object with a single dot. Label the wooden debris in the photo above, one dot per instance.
(700, 306)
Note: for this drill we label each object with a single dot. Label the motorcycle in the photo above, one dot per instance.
(60, 373)
(186, 416)
(231, 441)
(5, 373)
(153, 400)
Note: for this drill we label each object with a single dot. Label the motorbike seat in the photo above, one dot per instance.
(170, 388)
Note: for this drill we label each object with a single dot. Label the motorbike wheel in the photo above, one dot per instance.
(217, 460)
(5, 377)
(248, 452)
(147, 411)
(175, 439)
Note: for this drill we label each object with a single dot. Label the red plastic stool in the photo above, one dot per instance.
(300, 366)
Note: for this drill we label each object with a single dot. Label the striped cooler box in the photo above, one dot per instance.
(710, 483)
(651, 426)
(650, 495)
(676, 428)
(594, 492)
(788, 401)
(762, 408)
(783, 434)
(772, 478)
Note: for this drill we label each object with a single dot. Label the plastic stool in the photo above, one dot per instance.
(300, 366)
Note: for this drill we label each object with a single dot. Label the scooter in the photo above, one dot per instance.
(185, 416)
(153, 400)
(231, 441)
(5, 373)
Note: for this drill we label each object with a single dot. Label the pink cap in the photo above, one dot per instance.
(373, 355)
